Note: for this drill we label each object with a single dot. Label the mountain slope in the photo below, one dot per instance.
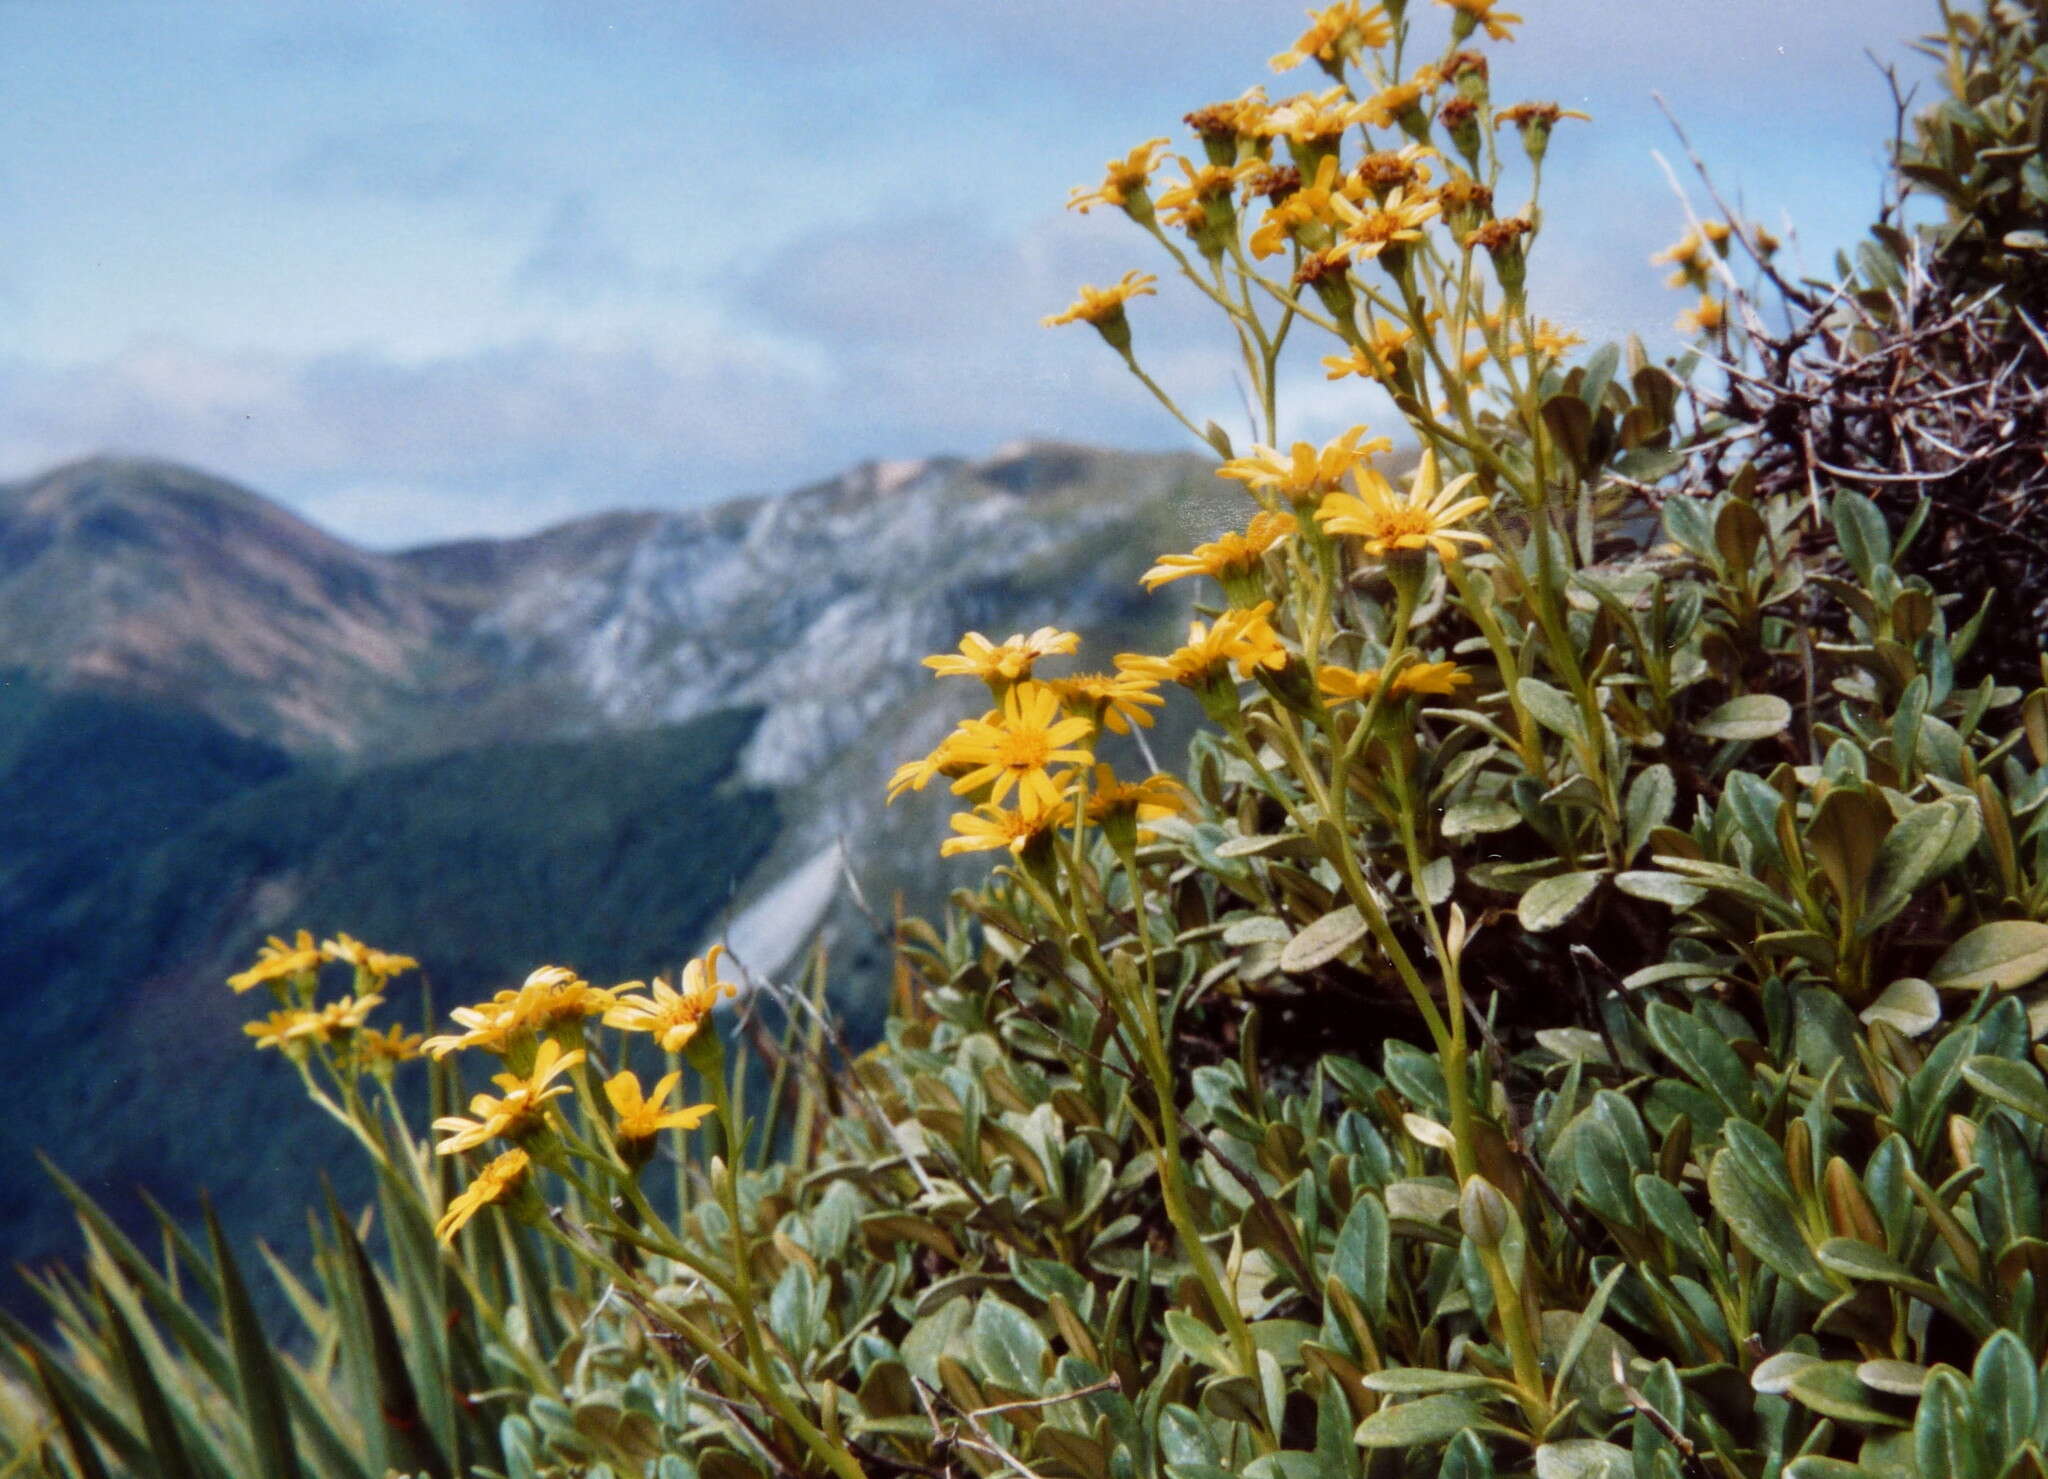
(149, 579)
(613, 853)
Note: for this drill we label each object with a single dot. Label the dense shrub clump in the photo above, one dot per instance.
(1574, 1011)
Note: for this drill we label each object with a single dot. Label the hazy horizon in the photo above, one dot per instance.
(462, 269)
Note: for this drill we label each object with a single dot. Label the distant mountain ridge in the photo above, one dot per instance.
(147, 578)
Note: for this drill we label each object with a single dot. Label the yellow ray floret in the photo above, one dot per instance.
(1308, 472)
(1370, 230)
(316, 1025)
(550, 996)
(1099, 306)
(673, 1016)
(989, 827)
(1347, 685)
(1122, 178)
(1005, 661)
(1315, 119)
(1121, 808)
(1423, 518)
(493, 1184)
(1232, 554)
(1335, 32)
(1017, 749)
(1243, 637)
(1481, 12)
(380, 964)
(1113, 701)
(519, 1109)
(1706, 318)
(641, 1115)
(279, 960)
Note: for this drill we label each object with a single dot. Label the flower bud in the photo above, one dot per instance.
(1483, 1213)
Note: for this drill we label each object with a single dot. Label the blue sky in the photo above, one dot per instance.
(432, 269)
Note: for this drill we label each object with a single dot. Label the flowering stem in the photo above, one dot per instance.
(1131, 360)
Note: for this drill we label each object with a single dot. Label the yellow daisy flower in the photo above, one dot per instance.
(1227, 123)
(1420, 520)
(518, 1110)
(1377, 358)
(1104, 307)
(1018, 748)
(1204, 182)
(1335, 33)
(642, 1116)
(379, 964)
(1122, 180)
(382, 1050)
(280, 1029)
(915, 775)
(493, 1184)
(1707, 318)
(1346, 685)
(1306, 473)
(1121, 808)
(1398, 219)
(1243, 637)
(1226, 559)
(1481, 13)
(277, 960)
(1315, 120)
(1007, 661)
(673, 1016)
(1112, 701)
(1308, 205)
(989, 827)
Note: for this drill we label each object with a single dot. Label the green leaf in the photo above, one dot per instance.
(1323, 940)
(1915, 852)
(1184, 1437)
(1703, 1054)
(1582, 1334)
(1554, 900)
(1553, 708)
(1651, 796)
(1945, 1441)
(1858, 1260)
(1583, 1458)
(1423, 1421)
(1412, 1381)
(1008, 1346)
(2015, 1085)
(2007, 1397)
(256, 1372)
(1359, 1261)
(159, 1424)
(1766, 1224)
(409, 1442)
(85, 1455)
(1203, 1346)
(1484, 814)
(1832, 1389)
(1753, 717)
(2006, 955)
(1673, 890)
(1909, 1004)
(1860, 529)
